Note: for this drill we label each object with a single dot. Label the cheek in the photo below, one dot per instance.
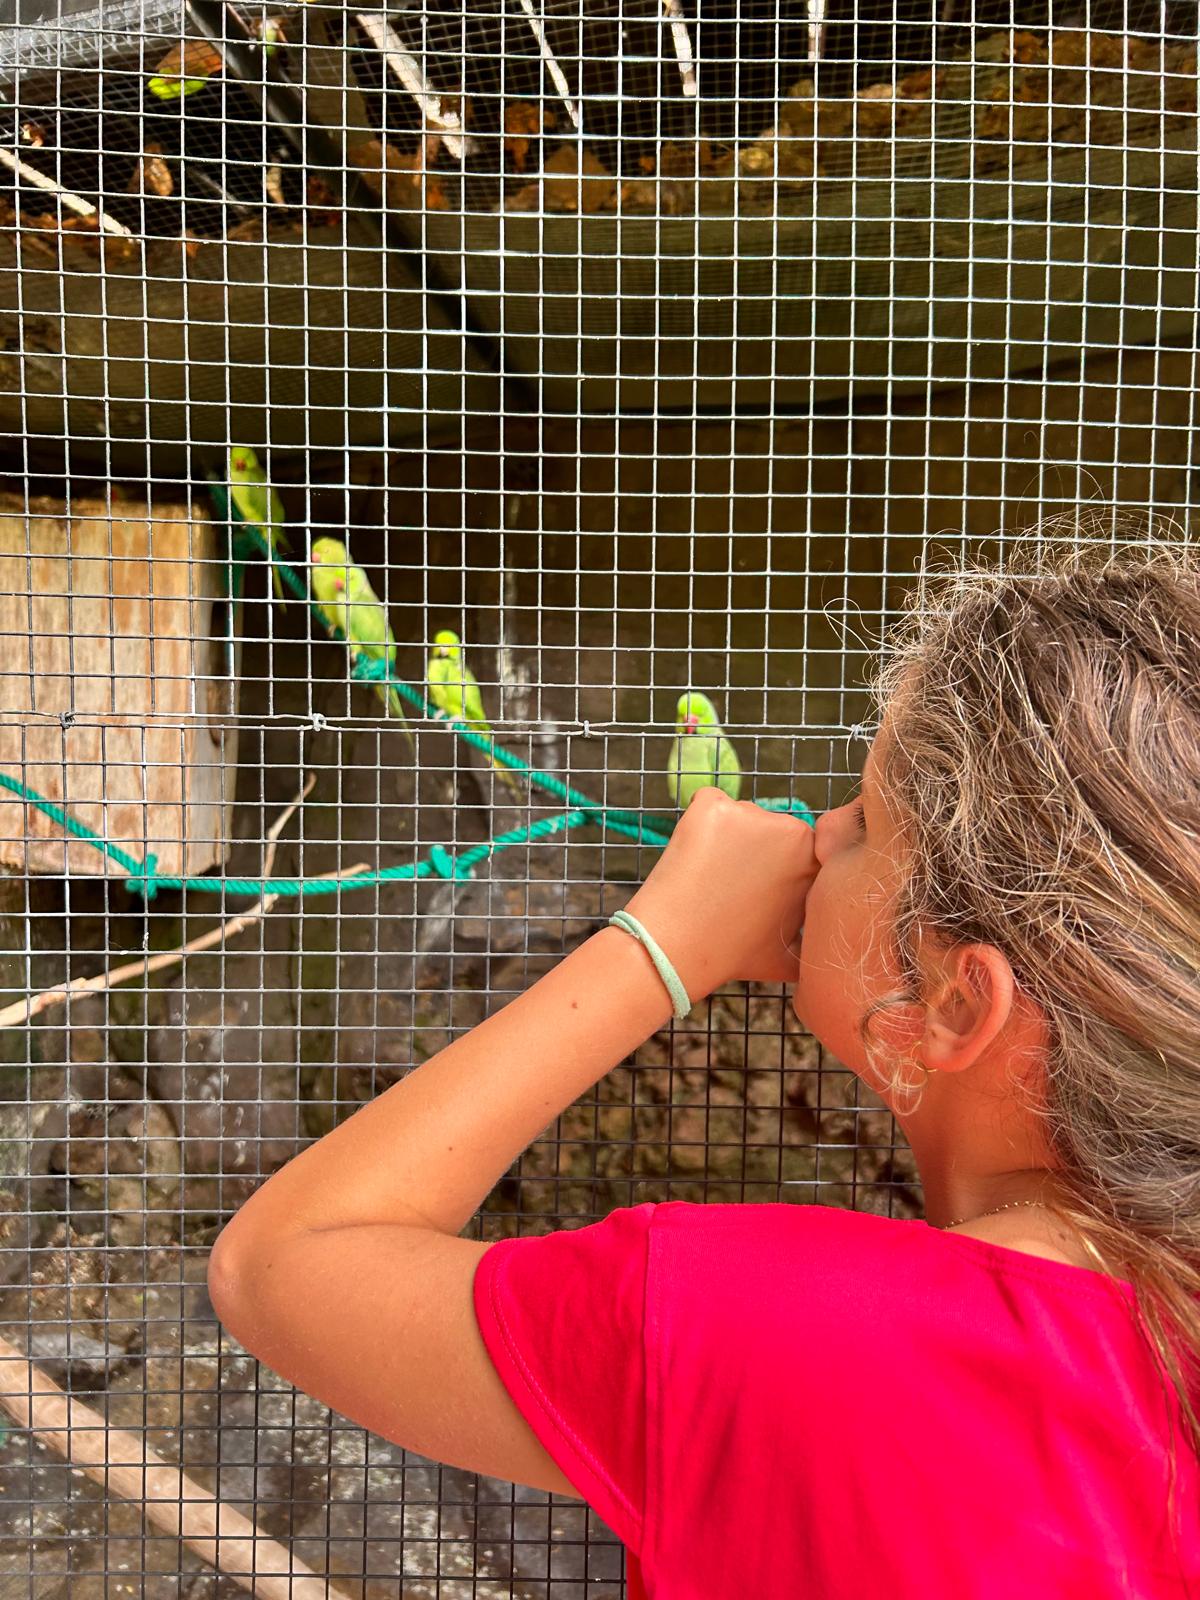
(830, 951)
(841, 963)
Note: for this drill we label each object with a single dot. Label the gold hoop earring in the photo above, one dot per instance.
(910, 1060)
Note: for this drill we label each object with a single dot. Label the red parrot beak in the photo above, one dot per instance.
(338, 584)
(692, 723)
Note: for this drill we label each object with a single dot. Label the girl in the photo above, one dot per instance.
(1001, 936)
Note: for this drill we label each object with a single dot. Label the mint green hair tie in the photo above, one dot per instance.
(679, 995)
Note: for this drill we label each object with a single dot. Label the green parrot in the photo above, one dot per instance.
(454, 689)
(701, 755)
(258, 504)
(347, 601)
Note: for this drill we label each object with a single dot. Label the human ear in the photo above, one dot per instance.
(971, 1003)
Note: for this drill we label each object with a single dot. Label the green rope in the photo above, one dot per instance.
(143, 876)
(77, 829)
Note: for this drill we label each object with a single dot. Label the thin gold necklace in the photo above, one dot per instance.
(1011, 1206)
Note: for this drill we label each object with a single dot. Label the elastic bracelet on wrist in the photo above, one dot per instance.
(679, 996)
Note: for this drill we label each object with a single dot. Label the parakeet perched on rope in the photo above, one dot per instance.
(701, 755)
(258, 504)
(346, 599)
(454, 689)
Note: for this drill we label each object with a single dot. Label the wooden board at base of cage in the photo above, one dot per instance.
(118, 685)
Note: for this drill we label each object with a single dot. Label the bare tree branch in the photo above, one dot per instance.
(21, 1011)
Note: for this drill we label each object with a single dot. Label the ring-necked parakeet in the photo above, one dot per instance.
(257, 503)
(454, 689)
(701, 756)
(346, 599)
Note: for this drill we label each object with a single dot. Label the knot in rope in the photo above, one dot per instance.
(145, 882)
(372, 668)
(448, 866)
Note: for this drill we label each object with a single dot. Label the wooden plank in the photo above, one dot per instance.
(115, 699)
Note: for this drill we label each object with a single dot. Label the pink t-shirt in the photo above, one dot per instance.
(772, 1402)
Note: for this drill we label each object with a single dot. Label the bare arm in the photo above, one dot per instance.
(431, 1148)
(344, 1272)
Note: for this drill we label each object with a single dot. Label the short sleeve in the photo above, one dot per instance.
(563, 1319)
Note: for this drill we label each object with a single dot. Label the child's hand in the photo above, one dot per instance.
(726, 898)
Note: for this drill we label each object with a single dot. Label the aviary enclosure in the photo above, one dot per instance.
(648, 345)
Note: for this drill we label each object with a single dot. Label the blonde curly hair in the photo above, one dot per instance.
(1044, 765)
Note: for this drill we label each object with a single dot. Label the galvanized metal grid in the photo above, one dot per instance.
(647, 346)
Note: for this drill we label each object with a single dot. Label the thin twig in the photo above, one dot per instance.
(122, 1463)
(25, 1010)
(682, 40)
(537, 28)
(73, 202)
(282, 820)
(408, 70)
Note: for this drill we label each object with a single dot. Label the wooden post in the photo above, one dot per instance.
(117, 684)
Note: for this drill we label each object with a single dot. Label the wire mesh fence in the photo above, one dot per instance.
(648, 347)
